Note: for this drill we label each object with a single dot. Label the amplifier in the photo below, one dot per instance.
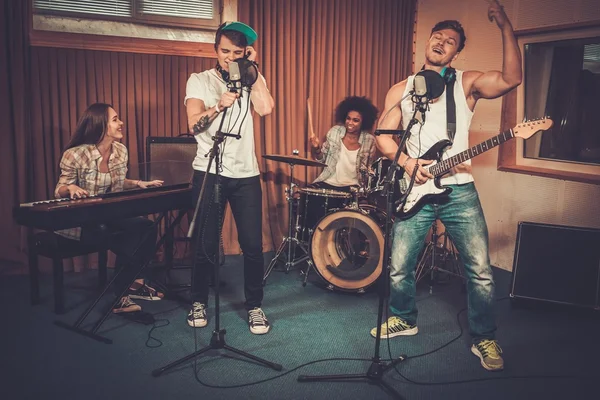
(556, 263)
(159, 148)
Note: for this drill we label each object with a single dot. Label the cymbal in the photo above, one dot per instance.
(294, 160)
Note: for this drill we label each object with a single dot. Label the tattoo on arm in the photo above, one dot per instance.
(201, 125)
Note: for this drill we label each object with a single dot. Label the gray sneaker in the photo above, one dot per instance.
(125, 305)
(257, 321)
(197, 316)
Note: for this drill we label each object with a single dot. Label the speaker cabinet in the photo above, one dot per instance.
(161, 148)
(559, 264)
(170, 158)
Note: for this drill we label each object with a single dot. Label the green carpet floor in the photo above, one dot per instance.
(549, 353)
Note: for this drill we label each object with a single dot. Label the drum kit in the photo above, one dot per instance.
(340, 235)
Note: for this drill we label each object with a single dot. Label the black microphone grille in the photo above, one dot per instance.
(248, 71)
(435, 83)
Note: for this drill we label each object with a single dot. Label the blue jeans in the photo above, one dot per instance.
(464, 221)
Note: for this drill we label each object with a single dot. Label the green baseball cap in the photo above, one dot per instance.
(242, 28)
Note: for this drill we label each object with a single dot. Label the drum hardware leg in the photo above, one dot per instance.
(291, 244)
(434, 254)
(309, 265)
(291, 241)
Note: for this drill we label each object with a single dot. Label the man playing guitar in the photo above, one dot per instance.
(461, 211)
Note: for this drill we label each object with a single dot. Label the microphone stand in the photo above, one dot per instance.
(217, 340)
(378, 367)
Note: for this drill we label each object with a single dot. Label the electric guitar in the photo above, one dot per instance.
(422, 194)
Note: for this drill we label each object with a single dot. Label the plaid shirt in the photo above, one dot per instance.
(81, 166)
(330, 153)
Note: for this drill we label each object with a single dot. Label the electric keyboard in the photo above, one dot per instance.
(66, 213)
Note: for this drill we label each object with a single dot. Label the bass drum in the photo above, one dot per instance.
(347, 248)
(314, 204)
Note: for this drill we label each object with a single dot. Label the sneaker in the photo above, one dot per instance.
(125, 305)
(197, 316)
(395, 326)
(145, 292)
(257, 321)
(489, 352)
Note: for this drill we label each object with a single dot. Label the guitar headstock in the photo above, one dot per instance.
(527, 129)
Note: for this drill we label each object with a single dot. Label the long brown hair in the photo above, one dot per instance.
(91, 126)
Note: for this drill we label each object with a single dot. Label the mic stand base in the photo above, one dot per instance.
(374, 375)
(217, 342)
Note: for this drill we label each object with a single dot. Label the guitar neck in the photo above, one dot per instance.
(446, 165)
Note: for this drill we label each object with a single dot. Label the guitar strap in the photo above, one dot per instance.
(449, 75)
(450, 104)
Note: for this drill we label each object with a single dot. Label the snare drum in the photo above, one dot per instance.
(347, 248)
(314, 204)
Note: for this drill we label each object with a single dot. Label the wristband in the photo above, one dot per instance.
(406, 162)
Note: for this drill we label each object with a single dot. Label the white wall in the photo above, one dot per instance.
(507, 197)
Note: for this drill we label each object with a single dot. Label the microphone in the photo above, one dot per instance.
(420, 86)
(235, 80)
(428, 85)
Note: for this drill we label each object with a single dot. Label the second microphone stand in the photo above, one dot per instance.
(378, 367)
(217, 340)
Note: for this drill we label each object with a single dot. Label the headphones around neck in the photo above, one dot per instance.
(224, 74)
(448, 73)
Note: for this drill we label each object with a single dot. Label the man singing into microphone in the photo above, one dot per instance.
(461, 213)
(207, 96)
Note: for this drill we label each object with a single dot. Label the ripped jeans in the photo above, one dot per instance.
(463, 218)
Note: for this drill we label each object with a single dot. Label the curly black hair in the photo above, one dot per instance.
(456, 27)
(362, 105)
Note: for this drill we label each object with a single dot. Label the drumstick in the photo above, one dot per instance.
(311, 131)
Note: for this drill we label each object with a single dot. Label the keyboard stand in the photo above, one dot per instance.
(76, 327)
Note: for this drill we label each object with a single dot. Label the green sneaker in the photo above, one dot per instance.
(489, 352)
(395, 326)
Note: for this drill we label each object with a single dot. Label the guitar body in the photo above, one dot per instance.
(428, 191)
(431, 190)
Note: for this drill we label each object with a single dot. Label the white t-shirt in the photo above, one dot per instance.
(238, 155)
(345, 169)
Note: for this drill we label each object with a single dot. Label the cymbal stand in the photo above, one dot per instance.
(291, 242)
(438, 254)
